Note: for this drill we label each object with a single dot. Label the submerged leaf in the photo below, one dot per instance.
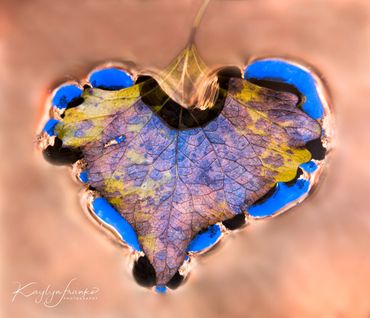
(172, 170)
(170, 182)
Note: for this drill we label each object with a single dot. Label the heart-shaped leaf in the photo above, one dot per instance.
(172, 170)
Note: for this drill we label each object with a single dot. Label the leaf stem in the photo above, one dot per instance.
(197, 20)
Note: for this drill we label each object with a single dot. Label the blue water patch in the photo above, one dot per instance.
(110, 216)
(121, 138)
(65, 94)
(283, 195)
(110, 78)
(282, 71)
(161, 289)
(205, 239)
(84, 176)
(309, 166)
(50, 126)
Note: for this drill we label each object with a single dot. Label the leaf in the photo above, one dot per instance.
(171, 170)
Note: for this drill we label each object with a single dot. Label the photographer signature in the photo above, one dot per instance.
(50, 297)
